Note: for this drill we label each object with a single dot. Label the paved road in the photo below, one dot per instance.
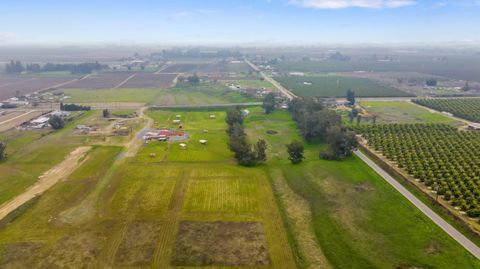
(449, 229)
(277, 85)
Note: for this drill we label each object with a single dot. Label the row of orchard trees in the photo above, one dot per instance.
(443, 158)
(466, 108)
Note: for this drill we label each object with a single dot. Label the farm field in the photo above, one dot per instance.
(143, 212)
(403, 112)
(251, 83)
(465, 108)
(459, 67)
(105, 80)
(439, 156)
(207, 68)
(26, 85)
(350, 210)
(182, 94)
(31, 153)
(337, 86)
(111, 95)
(150, 80)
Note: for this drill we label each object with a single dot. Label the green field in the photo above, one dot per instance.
(32, 153)
(358, 220)
(183, 94)
(129, 214)
(465, 108)
(403, 112)
(176, 208)
(459, 67)
(337, 86)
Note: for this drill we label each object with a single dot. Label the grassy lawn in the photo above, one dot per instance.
(337, 86)
(403, 112)
(358, 220)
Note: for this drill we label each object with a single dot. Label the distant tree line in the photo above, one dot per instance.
(195, 53)
(245, 153)
(317, 122)
(73, 107)
(16, 67)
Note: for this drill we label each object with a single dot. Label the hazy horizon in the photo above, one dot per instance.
(244, 23)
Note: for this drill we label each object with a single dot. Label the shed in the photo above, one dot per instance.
(474, 126)
(203, 141)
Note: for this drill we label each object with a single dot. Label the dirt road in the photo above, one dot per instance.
(439, 221)
(47, 180)
(125, 81)
(17, 120)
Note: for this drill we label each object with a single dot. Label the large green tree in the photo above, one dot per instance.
(269, 103)
(295, 151)
(56, 122)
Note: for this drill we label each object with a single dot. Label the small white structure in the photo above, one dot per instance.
(60, 113)
(183, 145)
(474, 126)
(40, 120)
(178, 116)
(205, 130)
(176, 121)
(245, 112)
(213, 116)
(203, 141)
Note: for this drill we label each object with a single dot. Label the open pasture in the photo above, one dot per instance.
(349, 209)
(337, 86)
(150, 80)
(403, 112)
(182, 94)
(133, 212)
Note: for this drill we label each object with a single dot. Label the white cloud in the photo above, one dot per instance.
(338, 4)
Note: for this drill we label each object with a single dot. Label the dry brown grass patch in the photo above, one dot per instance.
(220, 244)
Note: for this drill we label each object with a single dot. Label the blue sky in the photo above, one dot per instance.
(238, 21)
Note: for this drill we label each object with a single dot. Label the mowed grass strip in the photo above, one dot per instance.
(232, 195)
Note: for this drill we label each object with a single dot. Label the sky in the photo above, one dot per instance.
(238, 22)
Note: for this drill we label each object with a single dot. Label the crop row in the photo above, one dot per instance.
(466, 108)
(443, 158)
